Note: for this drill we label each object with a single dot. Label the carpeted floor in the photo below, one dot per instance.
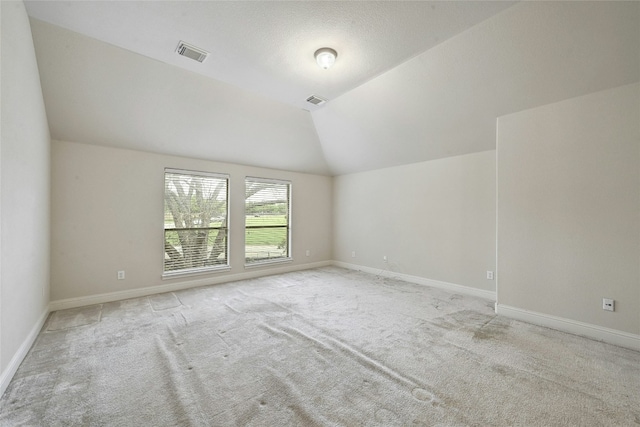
(325, 347)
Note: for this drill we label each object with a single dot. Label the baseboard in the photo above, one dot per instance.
(452, 287)
(599, 333)
(177, 286)
(19, 356)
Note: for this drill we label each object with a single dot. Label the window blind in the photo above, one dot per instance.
(195, 221)
(267, 220)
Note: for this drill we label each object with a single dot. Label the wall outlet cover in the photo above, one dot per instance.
(608, 304)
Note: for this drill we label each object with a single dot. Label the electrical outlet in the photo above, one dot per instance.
(308, 252)
(353, 254)
(121, 275)
(384, 258)
(489, 275)
(608, 304)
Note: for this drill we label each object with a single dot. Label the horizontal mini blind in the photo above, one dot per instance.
(267, 220)
(195, 221)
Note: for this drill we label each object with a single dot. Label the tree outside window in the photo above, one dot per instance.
(195, 221)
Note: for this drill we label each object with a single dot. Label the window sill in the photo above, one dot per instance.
(194, 272)
(268, 262)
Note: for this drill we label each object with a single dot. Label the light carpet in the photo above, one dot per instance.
(322, 347)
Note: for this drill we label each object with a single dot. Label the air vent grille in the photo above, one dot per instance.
(192, 52)
(316, 100)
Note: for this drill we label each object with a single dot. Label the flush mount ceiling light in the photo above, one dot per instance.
(325, 57)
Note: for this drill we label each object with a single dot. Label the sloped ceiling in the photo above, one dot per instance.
(445, 101)
(100, 94)
(414, 81)
(267, 46)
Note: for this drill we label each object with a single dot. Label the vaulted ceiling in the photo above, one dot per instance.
(413, 81)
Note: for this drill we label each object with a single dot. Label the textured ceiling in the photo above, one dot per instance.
(100, 94)
(268, 47)
(445, 101)
(414, 81)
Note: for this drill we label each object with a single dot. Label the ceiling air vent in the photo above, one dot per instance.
(316, 100)
(192, 52)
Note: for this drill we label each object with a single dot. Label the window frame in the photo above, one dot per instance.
(168, 274)
(267, 261)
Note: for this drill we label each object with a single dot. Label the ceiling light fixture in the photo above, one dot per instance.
(325, 57)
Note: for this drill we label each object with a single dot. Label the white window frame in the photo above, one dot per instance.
(288, 256)
(167, 274)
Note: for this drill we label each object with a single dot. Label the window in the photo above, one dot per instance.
(267, 220)
(195, 221)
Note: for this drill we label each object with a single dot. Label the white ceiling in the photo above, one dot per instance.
(444, 102)
(414, 81)
(268, 47)
(100, 94)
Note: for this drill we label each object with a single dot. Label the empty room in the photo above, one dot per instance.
(320, 213)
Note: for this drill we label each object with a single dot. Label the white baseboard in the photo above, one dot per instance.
(177, 286)
(19, 355)
(452, 287)
(599, 333)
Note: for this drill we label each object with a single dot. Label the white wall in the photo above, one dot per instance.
(107, 215)
(24, 172)
(568, 209)
(433, 220)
